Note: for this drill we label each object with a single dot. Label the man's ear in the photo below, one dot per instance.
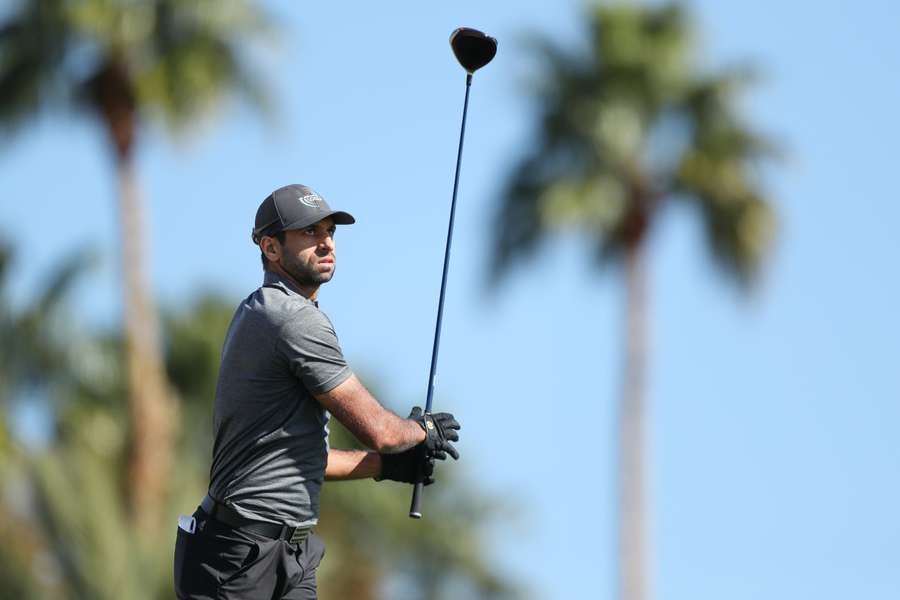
(271, 248)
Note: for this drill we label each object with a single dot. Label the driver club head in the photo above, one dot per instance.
(473, 49)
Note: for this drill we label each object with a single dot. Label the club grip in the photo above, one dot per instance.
(415, 511)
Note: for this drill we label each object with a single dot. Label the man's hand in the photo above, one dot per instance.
(440, 430)
(416, 465)
(410, 466)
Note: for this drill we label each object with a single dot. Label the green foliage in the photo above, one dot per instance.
(441, 556)
(627, 125)
(80, 510)
(80, 507)
(193, 342)
(32, 355)
(178, 58)
(194, 345)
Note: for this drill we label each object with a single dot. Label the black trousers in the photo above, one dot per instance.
(217, 562)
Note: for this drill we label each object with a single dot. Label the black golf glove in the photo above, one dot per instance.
(410, 466)
(440, 430)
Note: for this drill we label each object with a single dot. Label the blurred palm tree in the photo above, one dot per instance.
(628, 125)
(35, 340)
(38, 349)
(125, 61)
(65, 531)
(376, 551)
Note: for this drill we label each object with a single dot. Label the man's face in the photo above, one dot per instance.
(307, 254)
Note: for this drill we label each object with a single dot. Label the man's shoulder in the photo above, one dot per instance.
(278, 302)
(287, 311)
(268, 309)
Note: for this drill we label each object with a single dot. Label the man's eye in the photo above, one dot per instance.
(310, 230)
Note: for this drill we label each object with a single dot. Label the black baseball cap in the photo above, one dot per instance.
(294, 207)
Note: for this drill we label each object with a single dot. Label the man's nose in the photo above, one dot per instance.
(327, 243)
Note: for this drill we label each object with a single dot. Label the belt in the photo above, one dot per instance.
(227, 515)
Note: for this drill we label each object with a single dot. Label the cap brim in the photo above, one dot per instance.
(340, 218)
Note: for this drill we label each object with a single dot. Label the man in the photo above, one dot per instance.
(282, 373)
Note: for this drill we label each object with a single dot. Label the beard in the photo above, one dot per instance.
(306, 274)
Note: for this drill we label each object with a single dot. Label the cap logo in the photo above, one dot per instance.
(311, 200)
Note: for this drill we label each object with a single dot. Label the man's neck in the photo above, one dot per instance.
(309, 291)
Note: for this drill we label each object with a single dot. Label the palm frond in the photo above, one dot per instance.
(194, 59)
(33, 43)
(624, 126)
(178, 58)
(720, 173)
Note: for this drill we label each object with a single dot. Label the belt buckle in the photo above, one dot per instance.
(300, 534)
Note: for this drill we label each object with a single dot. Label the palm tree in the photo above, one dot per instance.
(124, 62)
(628, 125)
(34, 342)
(36, 365)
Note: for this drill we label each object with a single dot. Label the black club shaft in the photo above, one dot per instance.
(415, 506)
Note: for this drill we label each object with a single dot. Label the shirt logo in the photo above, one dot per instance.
(311, 200)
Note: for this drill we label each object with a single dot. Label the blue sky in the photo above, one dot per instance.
(773, 418)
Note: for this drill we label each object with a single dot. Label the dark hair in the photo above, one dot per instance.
(278, 236)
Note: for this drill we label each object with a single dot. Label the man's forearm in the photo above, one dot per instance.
(352, 464)
(369, 422)
(399, 434)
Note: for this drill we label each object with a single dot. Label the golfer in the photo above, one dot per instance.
(282, 374)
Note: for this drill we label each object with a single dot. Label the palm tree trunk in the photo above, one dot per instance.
(151, 407)
(633, 576)
(152, 411)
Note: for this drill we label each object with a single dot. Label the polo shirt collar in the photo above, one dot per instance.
(275, 280)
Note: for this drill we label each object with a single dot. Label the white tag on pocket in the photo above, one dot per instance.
(187, 523)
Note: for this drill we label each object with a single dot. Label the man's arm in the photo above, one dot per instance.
(372, 424)
(352, 464)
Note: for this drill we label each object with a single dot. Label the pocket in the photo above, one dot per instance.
(207, 559)
(313, 552)
(192, 577)
(180, 543)
(235, 553)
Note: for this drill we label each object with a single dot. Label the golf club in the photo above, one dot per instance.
(473, 49)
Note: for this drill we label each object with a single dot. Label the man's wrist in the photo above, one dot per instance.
(351, 464)
(378, 466)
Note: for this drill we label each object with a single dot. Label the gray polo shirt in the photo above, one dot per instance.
(271, 435)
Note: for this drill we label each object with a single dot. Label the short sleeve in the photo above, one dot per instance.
(310, 346)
